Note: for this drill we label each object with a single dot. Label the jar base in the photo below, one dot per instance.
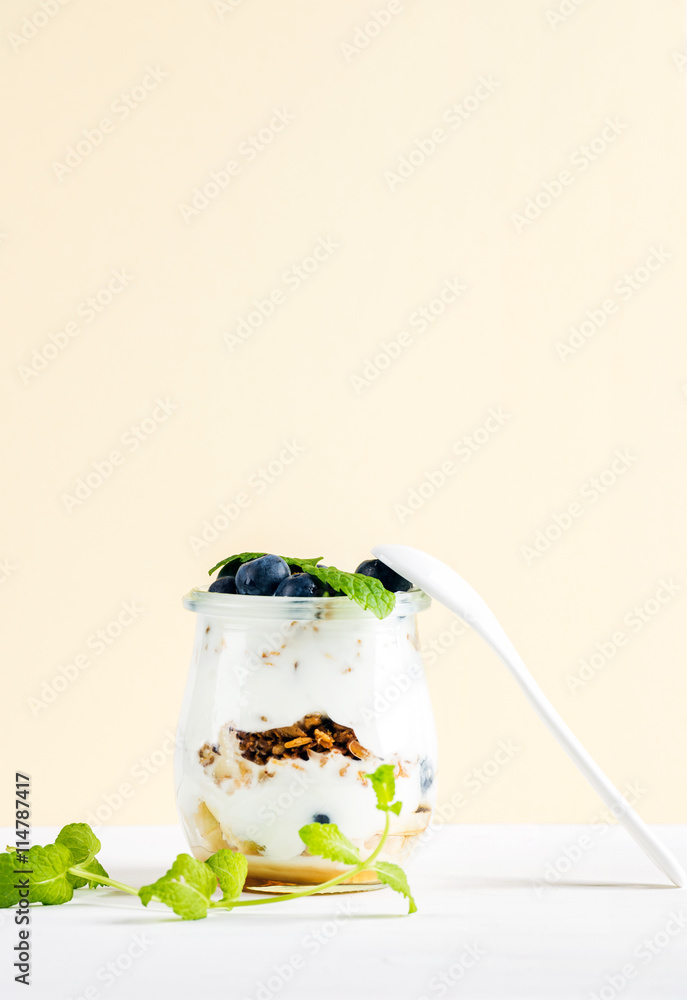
(282, 888)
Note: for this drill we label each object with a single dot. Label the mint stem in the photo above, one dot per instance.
(362, 866)
(82, 873)
(366, 863)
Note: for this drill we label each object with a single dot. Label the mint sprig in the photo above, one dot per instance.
(53, 872)
(367, 591)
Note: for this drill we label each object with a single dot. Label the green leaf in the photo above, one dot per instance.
(243, 557)
(301, 563)
(49, 881)
(186, 888)
(231, 869)
(81, 841)
(385, 788)
(84, 845)
(47, 871)
(327, 841)
(9, 895)
(93, 866)
(367, 591)
(395, 877)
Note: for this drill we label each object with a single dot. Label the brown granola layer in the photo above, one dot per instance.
(314, 732)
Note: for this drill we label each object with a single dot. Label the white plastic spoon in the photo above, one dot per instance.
(445, 585)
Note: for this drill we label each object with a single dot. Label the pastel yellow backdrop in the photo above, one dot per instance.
(226, 231)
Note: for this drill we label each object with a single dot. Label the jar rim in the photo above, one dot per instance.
(206, 602)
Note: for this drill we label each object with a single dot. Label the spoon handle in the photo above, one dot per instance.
(445, 585)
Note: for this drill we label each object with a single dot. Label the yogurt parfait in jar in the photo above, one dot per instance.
(304, 679)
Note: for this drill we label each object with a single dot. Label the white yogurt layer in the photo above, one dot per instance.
(268, 805)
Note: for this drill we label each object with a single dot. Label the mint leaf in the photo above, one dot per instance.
(231, 869)
(327, 841)
(84, 845)
(9, 895)
(395, 877)
(301, 563)
(385, 788)
(80, 840)
(186, 888)
(367, 591)
(247, 556)
(242, 556)
(93, 866)
(49, 882)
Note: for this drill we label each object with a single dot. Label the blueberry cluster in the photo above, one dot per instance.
(270, 575)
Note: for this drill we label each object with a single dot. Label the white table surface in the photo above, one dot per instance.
(486, 897)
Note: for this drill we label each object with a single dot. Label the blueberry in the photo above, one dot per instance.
(321, 818)
(377, 569)
(229, 569)
(300, 585)
(426, 775)
(261, 577)
(223, 585)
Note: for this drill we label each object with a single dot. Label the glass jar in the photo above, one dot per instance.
(289, 703)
